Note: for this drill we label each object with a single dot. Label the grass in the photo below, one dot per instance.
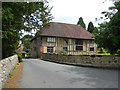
(104, 52)
(15, 66)
(11, 75)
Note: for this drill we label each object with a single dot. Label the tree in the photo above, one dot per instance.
(90, 27)
(81, 23)
(95, 31)
(109, 32)
(17, 16)
(26, 41)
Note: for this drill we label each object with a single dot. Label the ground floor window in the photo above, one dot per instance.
(49, 49)
(79, 45)
(91, 48)
(65, 48)
(79, 48)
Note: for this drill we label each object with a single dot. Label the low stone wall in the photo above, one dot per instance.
(85, 60)
(6, 67)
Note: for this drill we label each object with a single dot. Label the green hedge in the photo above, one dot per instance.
(20, 57)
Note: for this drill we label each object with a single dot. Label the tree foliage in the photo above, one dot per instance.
(109, 32)
(81, 23)
(26, 41)
(17, 16)
(95, 31)
(90, 27)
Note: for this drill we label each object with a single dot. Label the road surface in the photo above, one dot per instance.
(42, 74)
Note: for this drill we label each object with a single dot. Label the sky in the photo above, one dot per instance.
(69, 11)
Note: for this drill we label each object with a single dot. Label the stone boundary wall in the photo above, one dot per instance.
(98, 61)
(6, 67)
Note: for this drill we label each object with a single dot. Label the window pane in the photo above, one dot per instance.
(92, 49)
(79, 48)
(91, 42)
(51, 39)
(50, 49)
(79, 42)
(65, 48)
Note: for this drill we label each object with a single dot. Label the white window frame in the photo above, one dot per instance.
(51, 39)
(50, 49)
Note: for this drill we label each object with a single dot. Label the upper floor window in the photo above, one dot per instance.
(51, 39)
(91, 42)
(79, 42)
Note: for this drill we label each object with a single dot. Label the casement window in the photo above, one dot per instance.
(79, 48)
(79, 42)
(79, 45)
(65, 48)
(49, 49)
(91, 42)
(91, 48)
(51, 39)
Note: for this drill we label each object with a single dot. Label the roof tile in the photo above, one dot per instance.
(66, 30)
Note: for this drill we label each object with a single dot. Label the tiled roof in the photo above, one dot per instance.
(66, 30)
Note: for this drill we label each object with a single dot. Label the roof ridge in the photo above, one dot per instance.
(67, 30)
(68, 24)
(64, 23)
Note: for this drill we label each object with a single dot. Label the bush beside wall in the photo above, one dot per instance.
(20, 57)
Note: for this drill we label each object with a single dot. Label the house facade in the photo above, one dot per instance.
(63, 38)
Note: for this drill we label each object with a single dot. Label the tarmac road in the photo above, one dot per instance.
(42, 74)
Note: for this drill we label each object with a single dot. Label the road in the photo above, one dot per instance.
(42, 74)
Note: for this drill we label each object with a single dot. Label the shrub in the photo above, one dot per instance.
(118, 51)
(100, 51)
(20, 57)
(15, 66)
(28, 55)
(10, 75)
(62, 52)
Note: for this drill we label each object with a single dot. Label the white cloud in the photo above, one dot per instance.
(69, 11)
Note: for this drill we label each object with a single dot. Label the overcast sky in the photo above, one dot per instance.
(69, 11)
